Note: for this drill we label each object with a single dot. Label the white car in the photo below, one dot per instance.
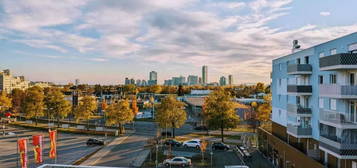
(194, 143)
(177, 161)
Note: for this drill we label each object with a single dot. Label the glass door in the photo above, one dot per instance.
(352, 112)
(352, 78)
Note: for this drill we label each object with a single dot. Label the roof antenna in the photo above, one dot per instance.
(296, 46)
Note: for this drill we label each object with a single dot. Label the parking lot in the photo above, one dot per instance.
(70, 147)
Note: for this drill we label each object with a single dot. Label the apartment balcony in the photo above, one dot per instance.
(336, 119)
(345, 150)
(300, 90)
(299, 69)
(299, 110)
(338, 91)
(343, 61)
(299, 132)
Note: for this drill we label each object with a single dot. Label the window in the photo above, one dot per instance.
(352, 79)
(321, 79)
(321, 103)
(333, 78)
(280, 67)
(322, 54)
(352, 47)
(279, 97)
(298, 61)
(279, 82)
(279, 112)
(333, 51)
(333, 104)
(306, 60)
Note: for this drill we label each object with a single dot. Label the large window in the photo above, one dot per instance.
(306, 60)
(333, 104)
(352, 47)
(333, 78)
(321, 103)
(321, 79)
(322, 54)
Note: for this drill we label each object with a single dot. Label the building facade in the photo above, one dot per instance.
(230, 79)
(222, 81)
(9, 82)
(192, 80)
(314, 106)
(152, 78)
(204, 74)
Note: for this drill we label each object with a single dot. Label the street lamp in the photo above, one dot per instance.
(156, 161)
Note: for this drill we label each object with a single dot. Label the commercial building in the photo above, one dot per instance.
(314, 113)
(9, 82)
(230, 79)
(192, 80)
(152, 78)
(222, 81)
(204, 74)
(41, 84)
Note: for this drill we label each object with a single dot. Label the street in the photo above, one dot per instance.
(70, 147)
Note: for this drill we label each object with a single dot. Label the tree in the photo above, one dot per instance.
(17, 97)
(170, 113)
(119, 113)
(260, 88)
(220, 111)
(130, 89)
(264, 110)
(56, 106)
(33, 104)
(154, 89)
(5, 102)
(87, 105)
(134, 105)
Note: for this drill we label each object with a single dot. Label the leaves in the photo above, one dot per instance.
(264, 110)
(119, 113)
(134, 105)
(85, 108)
(33, 104)
(170, 113)
(5, 102)
(56, 106)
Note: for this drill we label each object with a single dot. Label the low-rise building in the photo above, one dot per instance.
(9, 82)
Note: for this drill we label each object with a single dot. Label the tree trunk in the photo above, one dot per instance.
(120, 128)
(173, 132)
(58, 122)
(36, 120)
(222, 132)
(87, 124)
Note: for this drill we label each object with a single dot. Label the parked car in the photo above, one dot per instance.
(93, 141)
(201, 128)
(177, 161)
(195, 143)
(173, 143)
(220, 146)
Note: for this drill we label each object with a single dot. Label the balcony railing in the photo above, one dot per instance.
(299, 131)
(338, 91)
(300, 89)
(336, 119)
(299, 110)
(299, 69)
(339, 62)
(338, 147)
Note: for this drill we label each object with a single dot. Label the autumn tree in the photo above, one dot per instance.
(134, 105)
(130, 89)
(85, 109)
(33, 103)
(170, 113)
(17, 97)
(56, 106)
(119, 114)
(264, 109)
(5, 102)
(154, 89)
(220, 111)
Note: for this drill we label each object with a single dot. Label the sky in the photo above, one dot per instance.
(104, 41)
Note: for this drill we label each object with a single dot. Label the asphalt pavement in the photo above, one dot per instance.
(70, 147)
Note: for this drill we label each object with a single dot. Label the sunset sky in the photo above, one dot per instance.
(104, 41)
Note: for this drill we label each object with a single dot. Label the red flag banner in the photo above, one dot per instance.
(37, 147)
(22, 146)
(53, 137)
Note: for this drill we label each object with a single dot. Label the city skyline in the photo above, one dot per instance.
(83, 40)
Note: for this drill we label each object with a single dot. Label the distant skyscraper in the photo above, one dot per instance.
(144, 83)
(153, 78)
(77, 82)
(168, 82)
(199, 80)
(138, 82)
(127, 81)
(230, 79)
(223, 81)
(192, 80)
(204, 74)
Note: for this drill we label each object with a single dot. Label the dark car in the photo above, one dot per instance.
(173, 143)
(201, 128)
(93, 141)
(220, 146)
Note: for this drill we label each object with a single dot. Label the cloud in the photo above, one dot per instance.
(230, 37)
(325, 13)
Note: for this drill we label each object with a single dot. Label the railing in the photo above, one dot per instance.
(339, 61)
(300, 131)
(297, 109)
(335, 117)
(336, 142)
(299, 69)
(300, 89)
(338, 91)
